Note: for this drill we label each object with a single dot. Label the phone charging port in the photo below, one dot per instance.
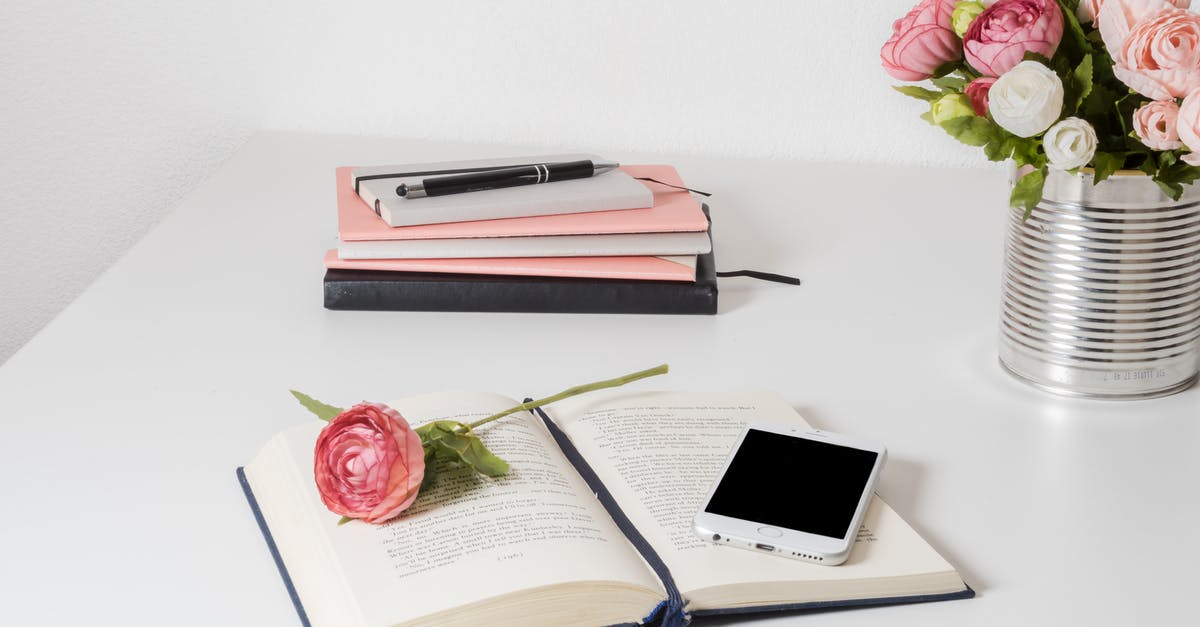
(765, 547)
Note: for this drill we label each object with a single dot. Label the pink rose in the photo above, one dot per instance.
(1160, 58)
(1154, 124)
(1188, 126)
(999, 38)
(921, 41)
(368, 463)
(1116, 18)
(977, 91)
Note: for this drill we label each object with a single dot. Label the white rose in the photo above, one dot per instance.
(1070, 144)
(1027, 99)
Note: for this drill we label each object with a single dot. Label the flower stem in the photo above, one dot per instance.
(579, 389)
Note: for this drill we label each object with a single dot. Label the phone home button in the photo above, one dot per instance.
(770, 532)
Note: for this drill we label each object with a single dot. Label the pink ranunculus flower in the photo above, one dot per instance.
(368, 463)
(977, 91)
(1154, 124)
(1160, 58)
(1115, 19)
(921, 41)
(1187, 124)
(999, 38)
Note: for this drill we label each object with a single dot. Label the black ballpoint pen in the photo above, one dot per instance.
(505, 177)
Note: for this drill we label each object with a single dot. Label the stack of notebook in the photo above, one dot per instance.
(613, 243)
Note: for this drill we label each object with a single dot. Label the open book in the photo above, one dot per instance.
(592, 526)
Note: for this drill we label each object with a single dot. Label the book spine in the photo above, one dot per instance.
(669, 613)
(388, 291)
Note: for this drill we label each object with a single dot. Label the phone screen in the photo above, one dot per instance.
(793, 483)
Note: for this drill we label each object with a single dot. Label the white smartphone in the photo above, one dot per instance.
(792, 491)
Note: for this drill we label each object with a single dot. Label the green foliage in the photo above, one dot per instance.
(948, 68)
(454, 442)
(1105, 164)
(972, 130)
(920, 93)
(950, 84)
(1026, 152)
(1173, 174)
(1028, 191)
(322, 411)
(1075, 44)
(1077, 86)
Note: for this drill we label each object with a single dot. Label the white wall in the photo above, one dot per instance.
(110, 112)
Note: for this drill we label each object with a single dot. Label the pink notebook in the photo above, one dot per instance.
(682, 268)
(673, 210)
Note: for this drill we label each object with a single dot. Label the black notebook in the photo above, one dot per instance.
(419, 291)
(592, 526)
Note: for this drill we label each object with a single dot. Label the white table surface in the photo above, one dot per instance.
(125, 418)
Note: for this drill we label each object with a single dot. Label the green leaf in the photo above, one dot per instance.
(945, 68)
(436, 429)
(344, 520)
(1028, 191)
(1075, 44)
(1172, 189)
(481, 459)
(1025, 152)
(468, 450)
(920, 93)
(1149, 167)
(322, 411)
(998, 150)
(1105, 163)
(1081, 82)
(430, 477)
(1098, 101)
(928, 117)
(456, 443)
(972, 130)
(1173, 174)
(950, 83)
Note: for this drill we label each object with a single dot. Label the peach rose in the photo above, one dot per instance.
(998, 39)
(1154, 124)
(1160, 58)
(1089, 9)
(921, 41)
(977, 91)
(1116, 21)
(368, 463)
(1188, 127)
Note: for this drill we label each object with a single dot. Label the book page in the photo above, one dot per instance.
(658, 453)
(470, 537)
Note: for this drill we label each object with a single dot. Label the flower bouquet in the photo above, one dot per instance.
(1066, 84)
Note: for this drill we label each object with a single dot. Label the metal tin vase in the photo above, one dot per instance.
(1102, 288)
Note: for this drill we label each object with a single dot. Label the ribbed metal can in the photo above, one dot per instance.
(1101, 294)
